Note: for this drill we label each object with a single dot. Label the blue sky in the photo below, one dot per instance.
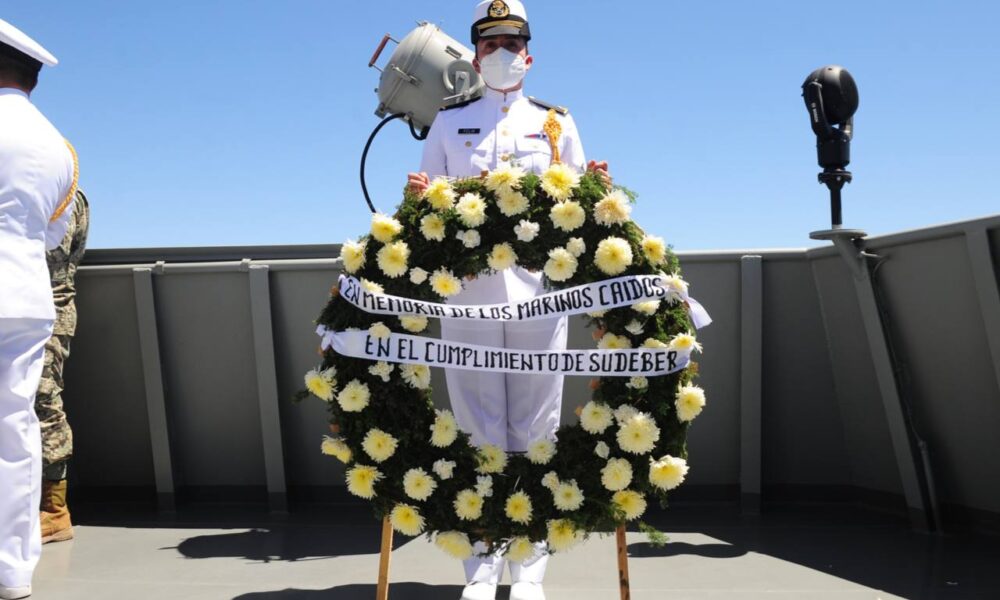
(242, 122)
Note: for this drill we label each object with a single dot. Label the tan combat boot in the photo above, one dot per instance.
(56, 526)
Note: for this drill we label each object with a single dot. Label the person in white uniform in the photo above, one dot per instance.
(37, 185)
(502, 128)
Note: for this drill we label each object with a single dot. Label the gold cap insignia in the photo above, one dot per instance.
(499, 9)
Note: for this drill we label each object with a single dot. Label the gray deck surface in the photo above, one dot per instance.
(332, 552)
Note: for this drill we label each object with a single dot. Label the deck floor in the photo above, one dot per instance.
(331, 552)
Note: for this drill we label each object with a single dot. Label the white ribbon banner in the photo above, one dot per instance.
(418, 350)
(591, 297)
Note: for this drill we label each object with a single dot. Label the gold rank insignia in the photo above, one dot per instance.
(499, 9)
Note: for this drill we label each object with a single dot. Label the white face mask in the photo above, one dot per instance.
(503, 69)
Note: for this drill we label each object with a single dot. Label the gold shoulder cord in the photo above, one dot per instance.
(553, 130)
(72, 188)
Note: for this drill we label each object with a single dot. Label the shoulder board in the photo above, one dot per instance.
(559, 109)
(461, 104)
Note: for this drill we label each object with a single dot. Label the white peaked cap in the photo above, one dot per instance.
(500, 17)
(18, 40)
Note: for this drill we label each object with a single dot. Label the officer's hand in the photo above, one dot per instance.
(418, 182)
(601, 168)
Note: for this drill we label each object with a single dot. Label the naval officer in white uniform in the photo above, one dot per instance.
(504, 127)
(37, 184)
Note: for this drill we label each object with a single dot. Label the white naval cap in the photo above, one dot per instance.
(500, 17)
(16, 44)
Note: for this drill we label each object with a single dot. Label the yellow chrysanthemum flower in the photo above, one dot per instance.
(379, 330)
(655, 249)
(418, 484)
(567, 496)
(550, 481)
(468, 505)
(417, 376)
(610, 341)
(616, 474)
(649, 307)
(454, 544)
(385, 228)
(361, 481)
(678, 288)
(406, 520)
(629, 502)
(379, 445)
(576, 246)
(502, 257)
(392, 259)
(668, 472)
(354, 397)
(613, 209)
(445, 284)
(492, 459)
(432, 227)
(439, 194)
(471, 210)
(320, 384)
(519, 550)
(504, 180)
(540, 452)
(654, 344)
(512, 203)
(444, 431)
(413, 323)
(371, 287)
(336, 447)
(353, 255)
(596, 417)
(518, 508)
(613, 255)
(567, 215)
(685, 342)
(562, 535)
(561, 265)
(638, 434)
(689, 402)
(559, 181)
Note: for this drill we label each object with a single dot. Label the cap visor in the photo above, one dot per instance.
(501, 30)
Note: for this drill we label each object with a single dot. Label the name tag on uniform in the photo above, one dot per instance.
(471, 131)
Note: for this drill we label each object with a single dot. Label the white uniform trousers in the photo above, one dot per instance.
(508, 410)
(22, 346)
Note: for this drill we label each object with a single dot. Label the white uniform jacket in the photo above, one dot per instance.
(36, 173)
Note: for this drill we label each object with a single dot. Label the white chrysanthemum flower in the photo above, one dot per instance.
(610, 341)
(504, 180)
(654, 344)
(629, 502)
(321, 383)
(371, 287)
(392, 259)
(518, 508)
(634, 327)
(439, 194)
(417, 376)
(512, 203)
(625, 412)
(502, 257)
(454, 544)
(471, 210)
(406, 520)
(637, 383)
(418, 275)
(685, 342)
(484, 485)
(568, 215)
(385, 228)
(379, 330)
(616, 474)
(559, 181)
(689, 402)
(576, 246)
(649, 307)
(677, 288)
(550, 481)
(526, 231)
(468, 505)
(613, 255)
(668, 472)
(613, 209)
(567, 496)
(444, 469)
(596, 417)
(597, 314)
(413, 323)
(469, 238)
(520, 550)
(354, 397)
(602, 450)
(361, 481)
(445, 284)
(655, 249)
(379, 445)
(332, 446)
(563, 535)
(540, 452)
(432, 227)
(417, 484)
(639, 434)
(444, 431)
(353, 255)
(492, 459)
(561, 265)
(382, 370)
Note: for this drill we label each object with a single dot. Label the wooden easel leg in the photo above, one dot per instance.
(382, 592)
(622, 563)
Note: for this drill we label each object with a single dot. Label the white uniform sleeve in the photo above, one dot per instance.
(56, 230)
(435, 160)
(572, 148)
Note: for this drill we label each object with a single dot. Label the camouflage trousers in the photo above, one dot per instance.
(57, 437)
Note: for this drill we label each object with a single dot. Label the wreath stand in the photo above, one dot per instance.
(382, 591)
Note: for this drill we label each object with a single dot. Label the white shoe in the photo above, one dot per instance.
(479, 591)
(14, 593)
(524, 590)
